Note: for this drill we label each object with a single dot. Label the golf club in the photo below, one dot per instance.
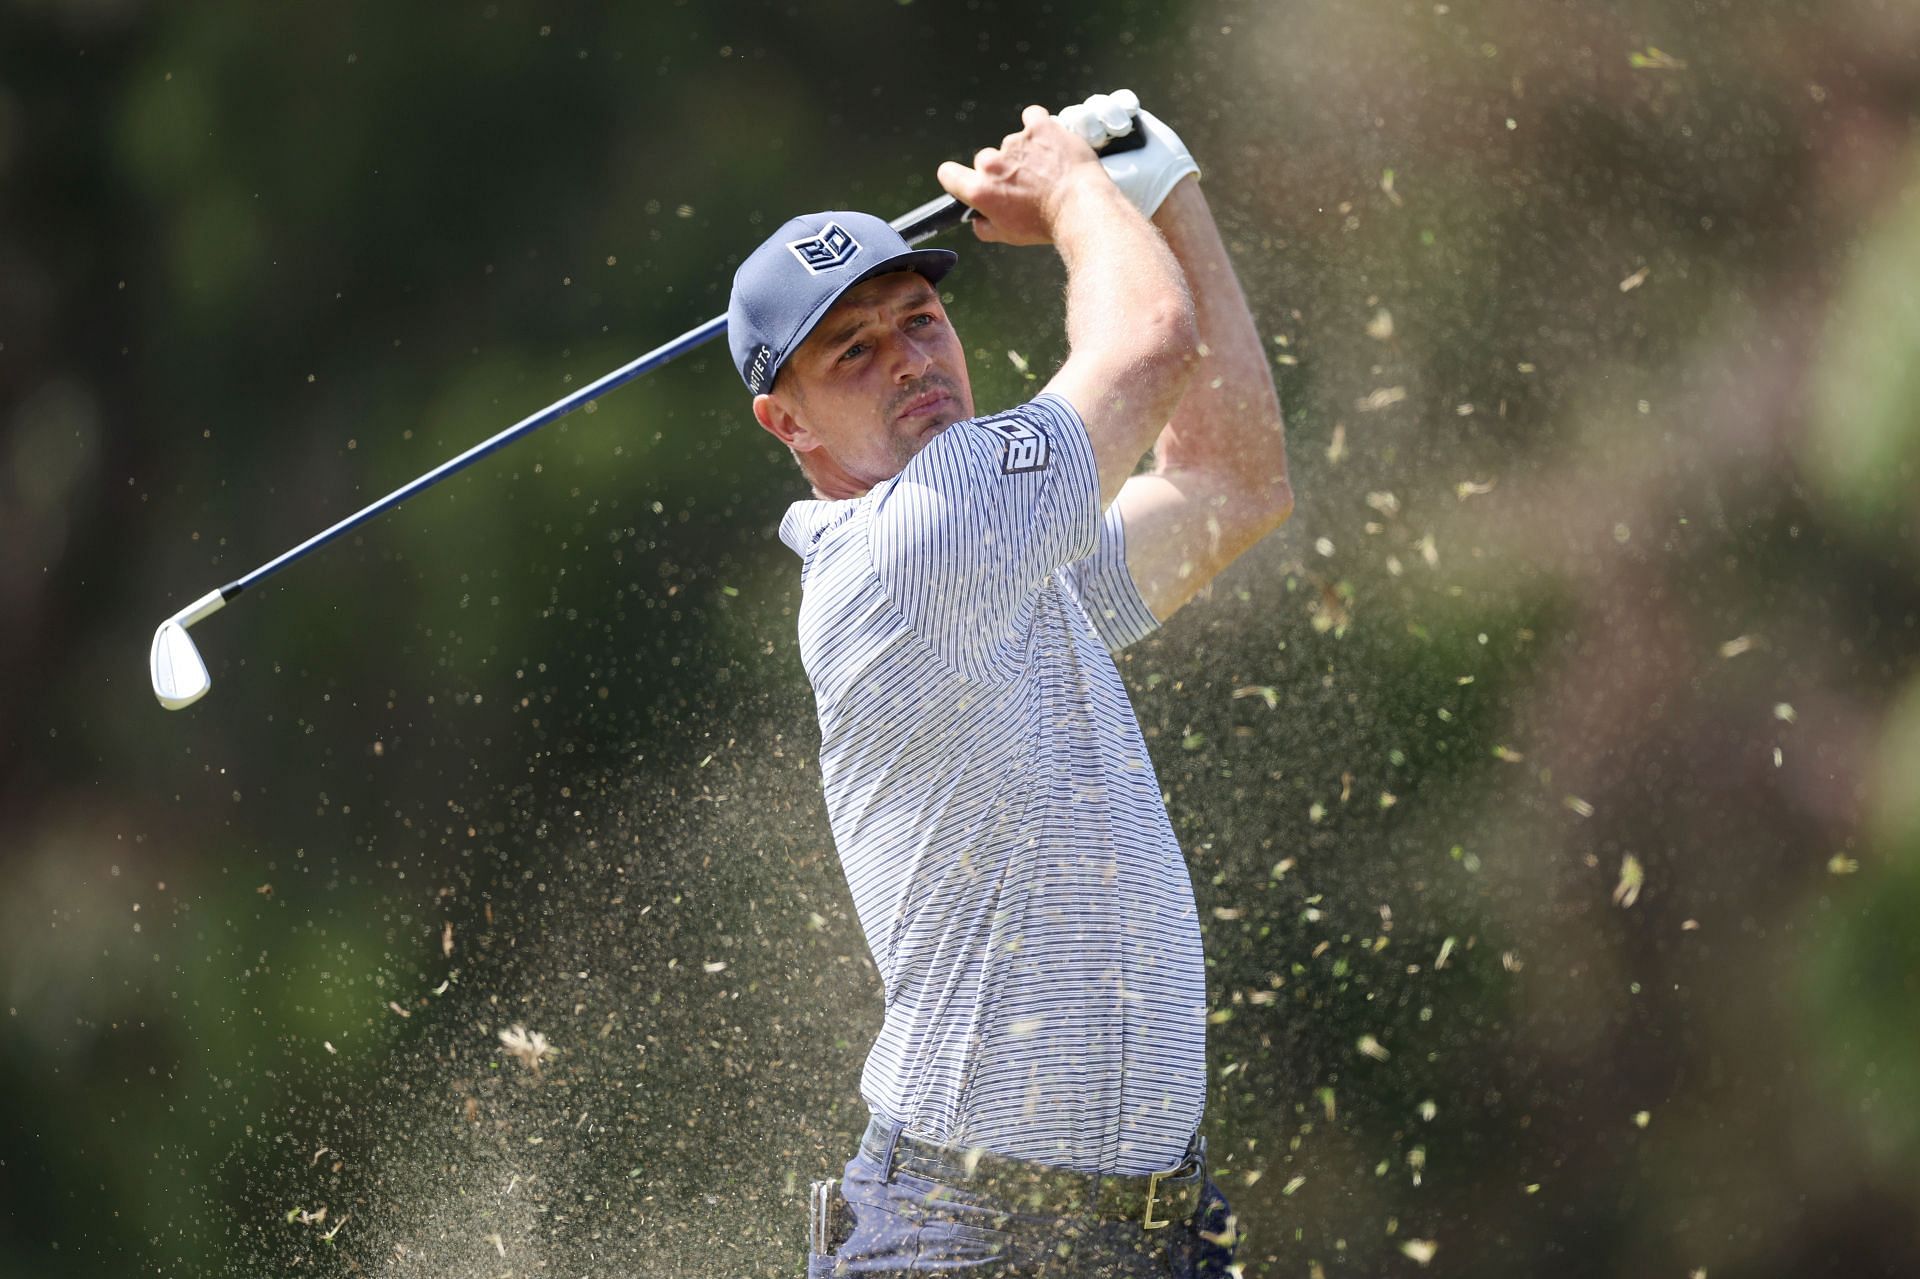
(180, 676)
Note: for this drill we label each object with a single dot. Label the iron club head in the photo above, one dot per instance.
(179, 676)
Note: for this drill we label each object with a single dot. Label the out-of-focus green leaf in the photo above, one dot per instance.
(1863, 437)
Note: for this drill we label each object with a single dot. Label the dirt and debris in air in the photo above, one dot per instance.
(594, 1076)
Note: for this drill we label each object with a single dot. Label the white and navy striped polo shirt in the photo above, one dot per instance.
(995, 810)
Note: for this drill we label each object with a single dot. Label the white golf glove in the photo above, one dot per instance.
(1147, 174)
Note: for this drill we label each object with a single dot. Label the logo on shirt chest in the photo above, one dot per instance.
(1025, 449)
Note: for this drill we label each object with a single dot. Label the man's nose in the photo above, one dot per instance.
(911, 359)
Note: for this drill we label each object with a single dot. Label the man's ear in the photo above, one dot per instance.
(780, 422)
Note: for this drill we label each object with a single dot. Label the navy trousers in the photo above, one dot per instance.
(908, 1223)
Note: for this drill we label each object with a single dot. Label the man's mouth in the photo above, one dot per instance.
(923, 405)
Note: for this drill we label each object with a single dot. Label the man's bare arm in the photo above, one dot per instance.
(1219, 482)
(1130, 322)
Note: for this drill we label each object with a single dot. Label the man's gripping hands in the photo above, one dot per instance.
(1130, 325)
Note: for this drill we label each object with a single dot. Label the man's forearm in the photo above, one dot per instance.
(1121, 276)
(1126, 292)
(1228, 423)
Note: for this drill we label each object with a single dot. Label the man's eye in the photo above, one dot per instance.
(857, 349)
(921, 320)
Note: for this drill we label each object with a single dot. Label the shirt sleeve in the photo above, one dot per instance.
(1107, 591)
(964, 537)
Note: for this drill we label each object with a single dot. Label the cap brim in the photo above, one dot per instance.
(931, 263)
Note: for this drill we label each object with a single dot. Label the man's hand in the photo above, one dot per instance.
(1017, 189)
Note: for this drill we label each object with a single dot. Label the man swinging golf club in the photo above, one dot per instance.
(1038, 1084)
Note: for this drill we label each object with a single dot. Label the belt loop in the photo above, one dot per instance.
(886, 1156)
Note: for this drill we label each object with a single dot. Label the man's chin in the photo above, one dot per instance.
(914, 433)
(922, 436)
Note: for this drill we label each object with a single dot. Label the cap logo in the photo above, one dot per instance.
(830, 250)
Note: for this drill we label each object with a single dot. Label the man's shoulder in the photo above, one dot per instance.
(1024, 440)
(808, 523)
(1016, 444)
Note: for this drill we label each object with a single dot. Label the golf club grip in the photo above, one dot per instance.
(944, 213)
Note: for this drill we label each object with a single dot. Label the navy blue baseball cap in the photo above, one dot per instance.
(793, 279)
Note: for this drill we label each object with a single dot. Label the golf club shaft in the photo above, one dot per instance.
(923, 223)
(559, 408)
(930, 219)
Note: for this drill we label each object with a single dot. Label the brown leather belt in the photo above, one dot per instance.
(1155, 1200)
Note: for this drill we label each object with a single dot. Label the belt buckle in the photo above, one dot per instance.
(1153, 1190)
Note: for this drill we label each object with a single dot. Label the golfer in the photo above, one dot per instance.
(1038, 1084)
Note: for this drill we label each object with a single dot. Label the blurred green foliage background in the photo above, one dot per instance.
(1549, 782)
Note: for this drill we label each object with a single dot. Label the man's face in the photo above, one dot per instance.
(877, 378)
